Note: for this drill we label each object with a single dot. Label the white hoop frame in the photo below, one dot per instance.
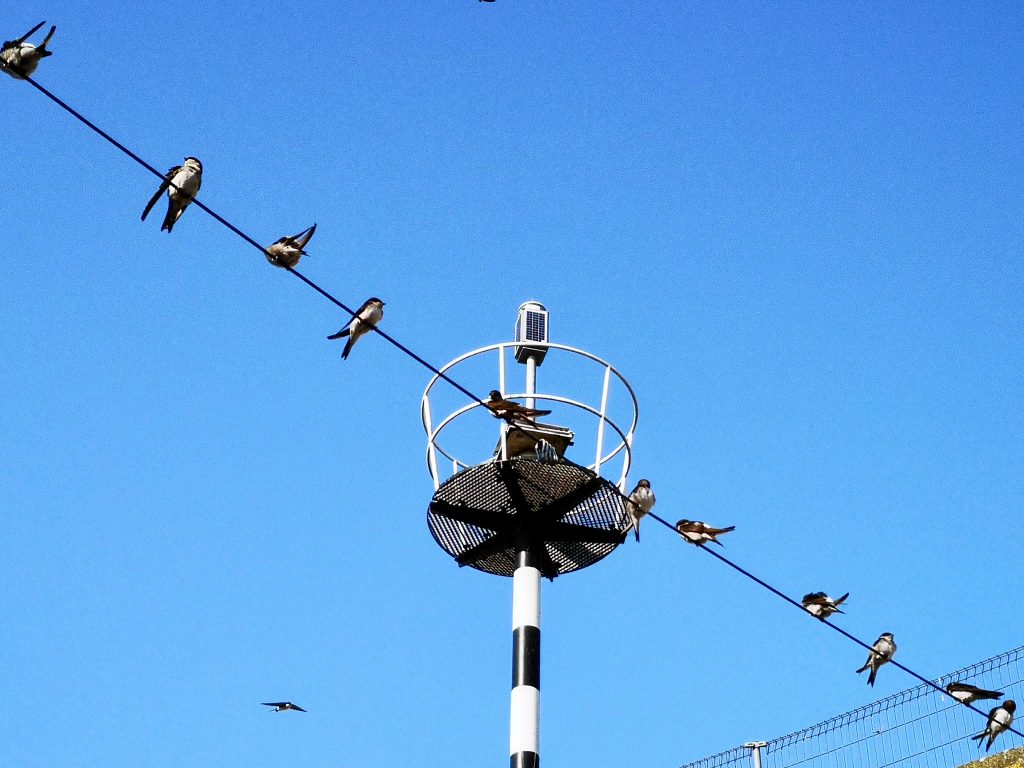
(624, 445)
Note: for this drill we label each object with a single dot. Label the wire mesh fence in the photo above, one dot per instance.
(915, 728)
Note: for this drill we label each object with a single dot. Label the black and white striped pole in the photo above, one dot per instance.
(527, 512)
(524, 723)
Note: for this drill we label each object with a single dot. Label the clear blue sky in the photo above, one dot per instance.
(796, 230)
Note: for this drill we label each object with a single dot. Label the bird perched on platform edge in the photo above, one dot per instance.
(182, 183)
(20, 59)
(641, 501)
(509, 409)
(364, 320)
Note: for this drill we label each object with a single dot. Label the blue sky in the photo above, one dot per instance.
(796, 230)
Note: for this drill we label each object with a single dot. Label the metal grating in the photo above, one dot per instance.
(564, 513)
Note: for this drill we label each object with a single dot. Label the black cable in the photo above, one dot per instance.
(826, 622)
(92, 126)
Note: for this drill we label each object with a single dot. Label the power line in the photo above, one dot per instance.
(826, 622)
(200, 204)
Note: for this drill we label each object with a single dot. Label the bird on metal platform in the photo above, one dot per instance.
(641, 501)
(509, 409)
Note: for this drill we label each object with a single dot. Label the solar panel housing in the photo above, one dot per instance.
(531, 326)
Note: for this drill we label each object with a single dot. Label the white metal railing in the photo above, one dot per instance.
(601, 458)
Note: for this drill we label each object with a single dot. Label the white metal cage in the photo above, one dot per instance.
(612, 437)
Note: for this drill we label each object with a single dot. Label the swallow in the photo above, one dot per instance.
(545, 451)
(182, 183)
(287, 251)
(999, 719)
(365, 318)
(882, 651)
(968, 694)
(641, 501)
(821, 605)
(509, 409)
(20, 59)
(282, 706)
(696, 532)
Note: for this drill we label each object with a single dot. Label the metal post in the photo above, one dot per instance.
(531, 380)
(755, 751)
(524, 726)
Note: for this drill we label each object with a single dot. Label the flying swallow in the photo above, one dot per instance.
(821, 605)
(509, 409)
(999, 719)
(696, 532)
(18, 58)
(287, 251)
(966, 693)
(882, 651)
(641, 501)
(182, 184)
(366, 317)
(282, 706)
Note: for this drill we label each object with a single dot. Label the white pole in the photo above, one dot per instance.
(524, 722)
(531, 380)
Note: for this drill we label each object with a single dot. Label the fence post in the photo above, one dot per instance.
(755, 751)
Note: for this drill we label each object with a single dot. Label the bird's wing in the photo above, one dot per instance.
(339, 334)
(815, 598)
(273, 703)
(29, 34)
(160, 190)
(716, 531)
(304, 237)
(296, 706)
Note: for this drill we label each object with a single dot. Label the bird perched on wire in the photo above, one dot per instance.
(999, 719)
(966, 693)
(182, 183)
(19, 59)
(882, 651)
(364, 320)
(641, 501)
(509, 409)
(282, 706)
(696, 532)
(287, 251)
(821, 605)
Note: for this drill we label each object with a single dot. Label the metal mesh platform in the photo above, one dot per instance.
(563, 513)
